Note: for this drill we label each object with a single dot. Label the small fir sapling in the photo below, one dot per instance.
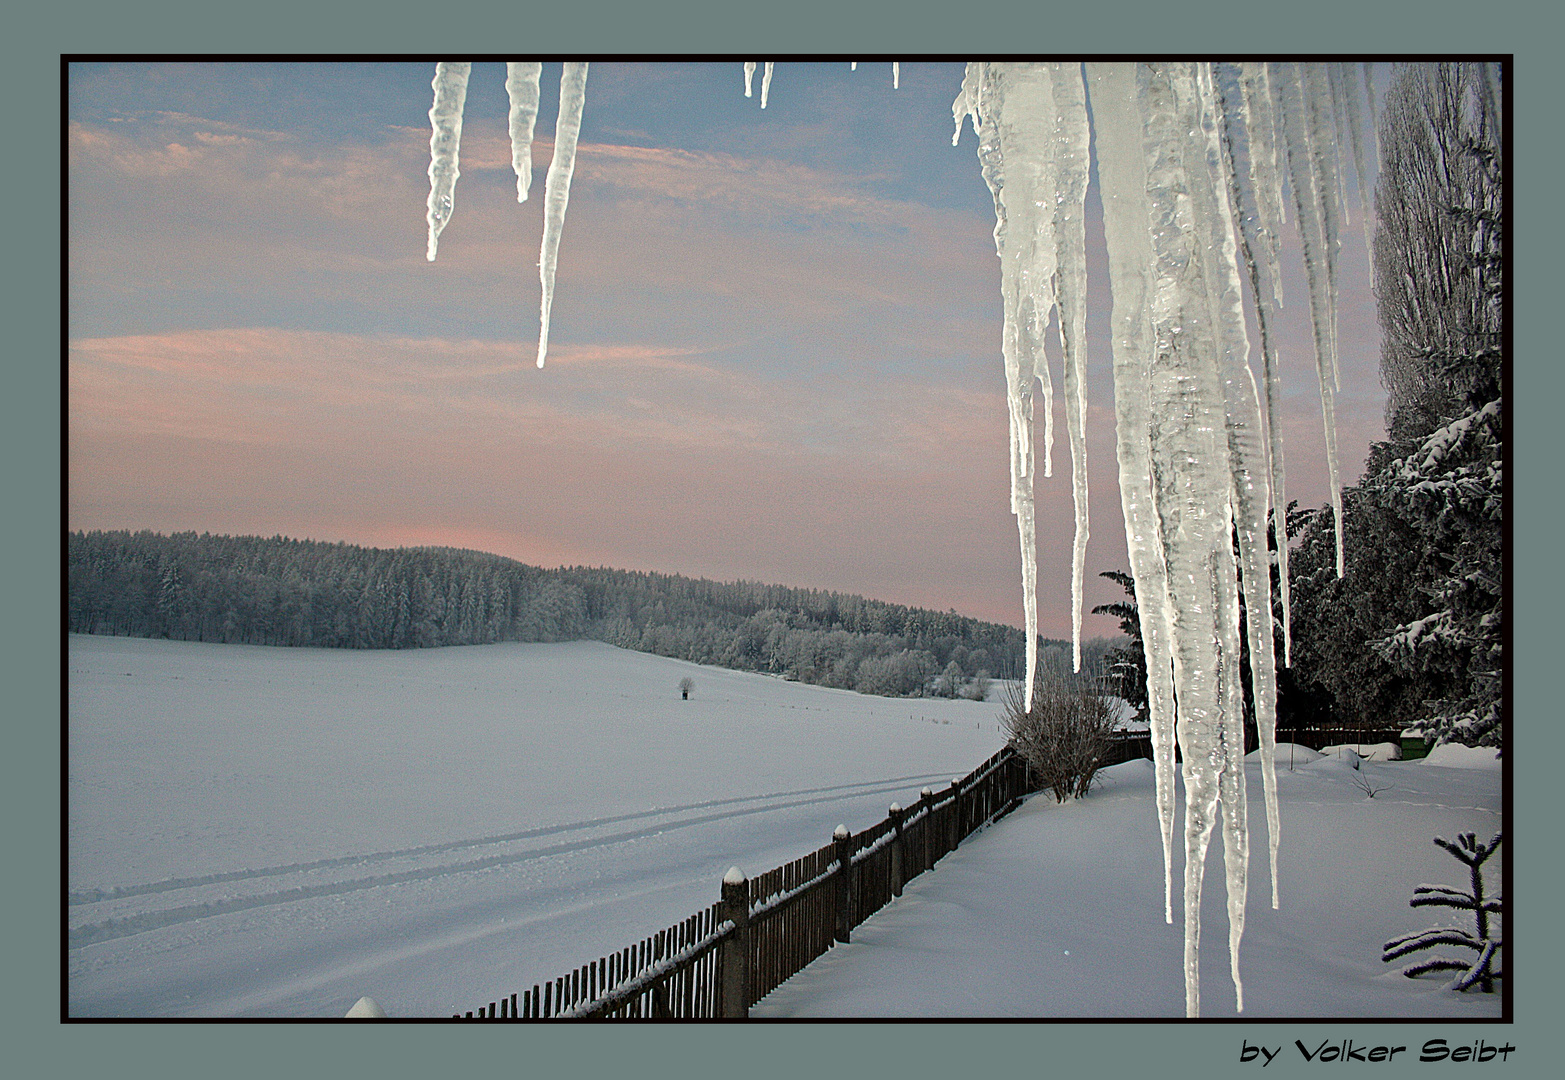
(1480, 971)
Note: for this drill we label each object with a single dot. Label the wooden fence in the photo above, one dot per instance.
(720, 961)
(725, 958)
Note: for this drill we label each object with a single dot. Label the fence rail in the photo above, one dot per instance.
(720, 961)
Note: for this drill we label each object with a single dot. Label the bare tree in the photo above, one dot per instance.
(686, 685)
(1438, 253)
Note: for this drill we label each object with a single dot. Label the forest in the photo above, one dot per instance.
(279, 591)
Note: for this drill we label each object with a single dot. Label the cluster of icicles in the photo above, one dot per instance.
(521, 86)
(1192, 164)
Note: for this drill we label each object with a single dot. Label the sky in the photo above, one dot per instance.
(774, 347)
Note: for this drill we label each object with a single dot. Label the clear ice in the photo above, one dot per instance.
(521, 87)
(445, 120)
(557, 187)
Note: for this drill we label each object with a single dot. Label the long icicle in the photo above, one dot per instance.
(521, 87)
(1249, 493)
(445, 120)
(1122, 175)
(1189, 479)
(1313, 237)
(1322, 143)
(1253, 469)
(557, 187)
(1070, 235)
(1351, 97)
(1266, 187)
(1015, 119)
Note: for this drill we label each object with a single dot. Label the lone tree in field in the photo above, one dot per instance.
(686, 685)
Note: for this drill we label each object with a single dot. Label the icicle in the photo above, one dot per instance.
(1349, 81)
(749, 76)
(1122, 174)
(1070, 233)
(1335, 97)
(1265, 188)
(1249, 457)
(853, 66)
(896, 75)
(1316, 241)
(766, 82)
(445, 118)
(1189, 481)
(521, 86)
(1322, 144)
(557, 187)
(966, 103)
(1017, 128)
(1261, 136)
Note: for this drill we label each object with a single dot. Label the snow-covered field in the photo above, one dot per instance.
(276, 832)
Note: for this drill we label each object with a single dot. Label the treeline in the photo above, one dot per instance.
(277, 591)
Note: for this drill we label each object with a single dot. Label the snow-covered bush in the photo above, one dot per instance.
(1065, 736)
(1481, 969)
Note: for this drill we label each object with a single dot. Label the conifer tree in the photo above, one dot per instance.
(1481, 969)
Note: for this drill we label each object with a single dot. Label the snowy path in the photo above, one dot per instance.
(1057, 911)
(277, 832)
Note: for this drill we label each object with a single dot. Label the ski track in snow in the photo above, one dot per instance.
(141, 922)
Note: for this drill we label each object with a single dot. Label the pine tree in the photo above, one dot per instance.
(1126, 666)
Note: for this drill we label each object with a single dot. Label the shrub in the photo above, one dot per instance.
(1066, 735)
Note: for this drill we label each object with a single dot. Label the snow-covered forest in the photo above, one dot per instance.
(275, 591)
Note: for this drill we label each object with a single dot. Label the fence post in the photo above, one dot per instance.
(733, 960)
(926, 804)
(844, 856)
(898, 862)
(956, 812)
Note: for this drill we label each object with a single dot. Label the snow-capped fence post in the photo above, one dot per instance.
(844, 856)
(733, 958)
(956, 814)
(926, 804)
(898, 861)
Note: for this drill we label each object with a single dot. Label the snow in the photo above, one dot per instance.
(277, 832)
(1052, 911)
(437, 828)
(366, 1008)
(1364, 751)
(1288, 753)
(1457, 756)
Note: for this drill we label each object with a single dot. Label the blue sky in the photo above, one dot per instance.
(775, 343)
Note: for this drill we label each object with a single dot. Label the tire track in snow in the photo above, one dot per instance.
(110, 929)
(79, 897)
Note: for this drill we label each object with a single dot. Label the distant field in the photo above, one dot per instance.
(275, 832)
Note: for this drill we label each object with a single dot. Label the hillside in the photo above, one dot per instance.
(278, 591)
